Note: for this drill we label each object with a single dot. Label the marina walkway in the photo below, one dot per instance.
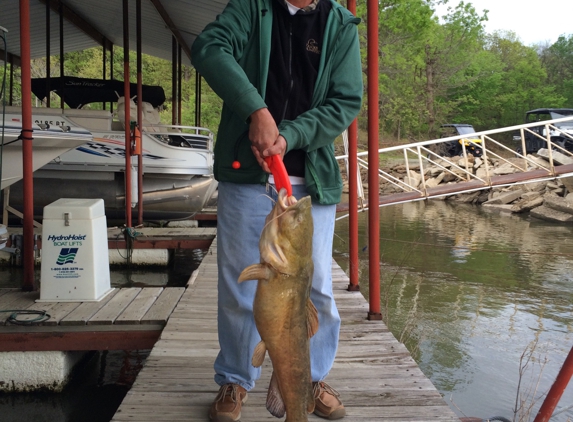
(375, 375)
(126, 319)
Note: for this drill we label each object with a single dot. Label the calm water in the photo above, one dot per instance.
(470, 292)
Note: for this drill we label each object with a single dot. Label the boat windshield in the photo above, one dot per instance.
(464, 130)
(561, 114)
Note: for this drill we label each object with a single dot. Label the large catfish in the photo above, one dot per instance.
(284, 315)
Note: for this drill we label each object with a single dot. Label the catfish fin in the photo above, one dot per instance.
(310, 399)
(311, 318)
(255, 272)
(275, 403)
(259, 354)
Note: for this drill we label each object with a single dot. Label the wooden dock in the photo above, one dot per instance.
(146, 237)
(126, 319)
(375, 375)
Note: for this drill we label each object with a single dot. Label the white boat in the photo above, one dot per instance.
(177, 163)
(49, 142)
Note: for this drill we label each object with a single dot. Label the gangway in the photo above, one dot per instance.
(527, 169)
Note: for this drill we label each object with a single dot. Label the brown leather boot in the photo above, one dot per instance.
(326, 402)
(228, 403)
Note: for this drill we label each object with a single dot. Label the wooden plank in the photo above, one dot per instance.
(564, 169)
(140, 305)
(16, 300)
(82, 314)
(163, 306)
(79, 340)
(56, 311)
(4, 291)
(113, 309)
(59, 311)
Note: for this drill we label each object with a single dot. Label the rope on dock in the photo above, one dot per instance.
(13, 318)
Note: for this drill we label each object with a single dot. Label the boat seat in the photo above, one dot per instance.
(121, 110)
(150, 115)
(95, 120)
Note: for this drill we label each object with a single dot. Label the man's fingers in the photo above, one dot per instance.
(278, 148)
(260, 159)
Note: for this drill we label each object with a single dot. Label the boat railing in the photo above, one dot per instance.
(182, 136)
(420, 157)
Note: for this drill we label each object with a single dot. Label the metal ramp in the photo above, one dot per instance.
(527, 169)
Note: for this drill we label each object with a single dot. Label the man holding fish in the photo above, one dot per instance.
(290, 78)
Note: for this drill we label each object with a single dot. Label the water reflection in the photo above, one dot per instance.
(93, 396)
(467, 291)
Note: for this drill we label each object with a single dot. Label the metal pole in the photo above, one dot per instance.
(62, 84)
(197, 99)
(353, 194)
(373, 161)
(126, 93)
(104, 70)
(556, 391)
(111, 72)
(179, 88)
(139, 115)
(173, 80)
(28, 246)
(11, 98)
(48, 52)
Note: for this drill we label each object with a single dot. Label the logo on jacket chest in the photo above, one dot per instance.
(312, 46)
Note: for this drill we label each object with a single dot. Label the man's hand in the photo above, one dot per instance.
(263, 131)
(264, 137)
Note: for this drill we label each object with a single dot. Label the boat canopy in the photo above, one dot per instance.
(77, 92)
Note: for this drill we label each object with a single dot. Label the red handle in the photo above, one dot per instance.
(280, 174)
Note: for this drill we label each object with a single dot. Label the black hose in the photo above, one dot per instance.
(13, 318)
(497, 418)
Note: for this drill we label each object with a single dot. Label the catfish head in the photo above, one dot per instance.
(287, 236)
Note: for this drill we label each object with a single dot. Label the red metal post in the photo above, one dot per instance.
(28, 241)
(173, 80)
(556, 391)
(353, 193)
(179, 85)
(373, 161)
(11, 97)
(126, 93)
(139, 115)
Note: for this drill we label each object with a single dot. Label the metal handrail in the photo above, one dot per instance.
(421, 153)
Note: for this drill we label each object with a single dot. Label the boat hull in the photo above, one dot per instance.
(47, 144)
(176, 164)
(165, 197)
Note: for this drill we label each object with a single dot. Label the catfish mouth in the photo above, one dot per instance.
(272, 242)
(285, 202)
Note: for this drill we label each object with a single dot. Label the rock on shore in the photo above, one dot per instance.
(547, 200)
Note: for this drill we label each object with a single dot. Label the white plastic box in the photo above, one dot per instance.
(75, 260)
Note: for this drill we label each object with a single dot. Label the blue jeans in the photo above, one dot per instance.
(241, 212)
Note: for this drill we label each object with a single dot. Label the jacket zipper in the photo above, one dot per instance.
(291, 84)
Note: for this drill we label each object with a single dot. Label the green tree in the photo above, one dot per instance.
(525, 84)
(558, 62)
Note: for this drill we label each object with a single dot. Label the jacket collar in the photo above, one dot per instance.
(309, 8)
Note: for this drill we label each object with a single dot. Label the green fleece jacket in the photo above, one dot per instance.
(232, 54)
